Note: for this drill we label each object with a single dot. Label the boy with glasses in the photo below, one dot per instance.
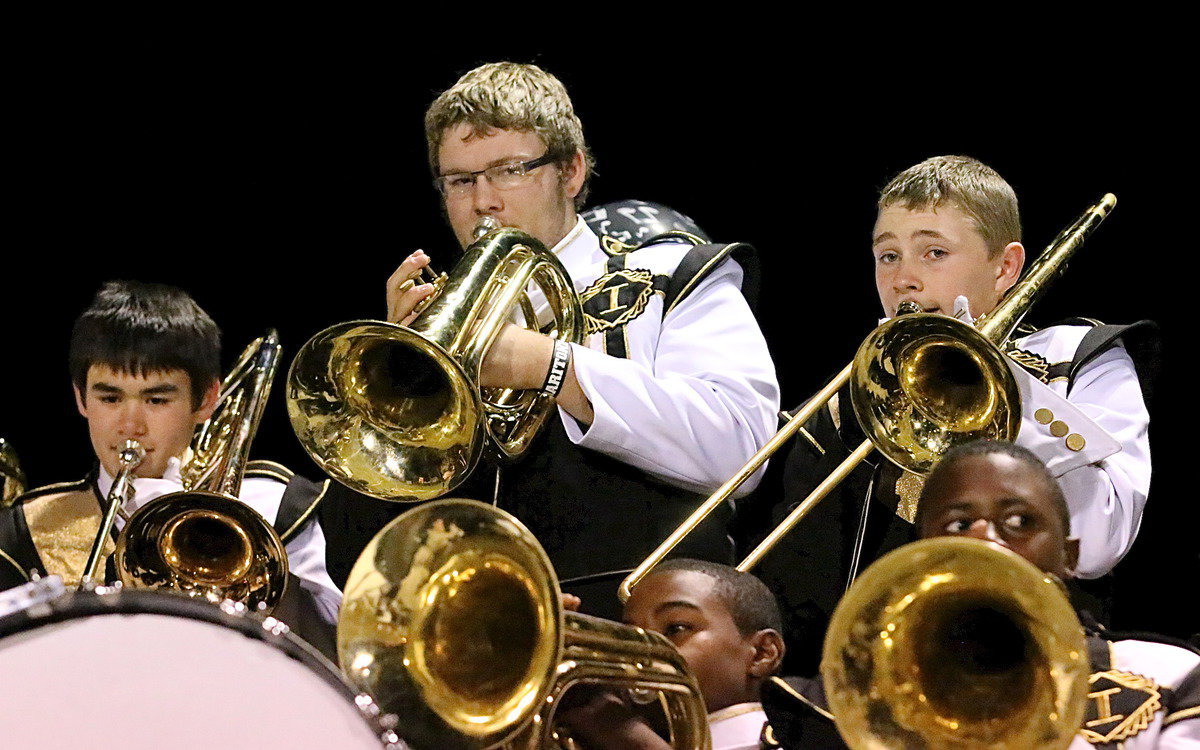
(672, 389)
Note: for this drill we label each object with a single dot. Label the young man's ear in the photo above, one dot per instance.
(80, 401)
(573, 173)
(1012, 260)
(209, 403)
(768, 653)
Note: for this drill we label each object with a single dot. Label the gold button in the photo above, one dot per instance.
(1075, 441)
(1043, 416)
(1058, 428)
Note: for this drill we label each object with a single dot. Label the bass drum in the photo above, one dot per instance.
(141, 669)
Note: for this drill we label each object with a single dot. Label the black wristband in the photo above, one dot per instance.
(558, 369)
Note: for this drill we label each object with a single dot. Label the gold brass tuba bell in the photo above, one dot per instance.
(394, 411)
(452, 620)
(955, 643)
(205, 542)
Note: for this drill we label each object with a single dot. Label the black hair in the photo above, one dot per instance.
(750, 603)
(990, 447)
(137, 327)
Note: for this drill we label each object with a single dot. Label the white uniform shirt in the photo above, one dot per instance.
(1151, 667)
(1102, 456)
(737, 727)
(306, 552)
(697, 395)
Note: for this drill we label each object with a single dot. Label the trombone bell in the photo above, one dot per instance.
(923, 383)
(955, 643)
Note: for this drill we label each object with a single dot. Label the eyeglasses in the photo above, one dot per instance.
(501, 176)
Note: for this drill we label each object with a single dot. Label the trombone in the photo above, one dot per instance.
(130, 457)
(452, 620)
(920, 383)
(955, 642)
(394, 411)
(205, 542)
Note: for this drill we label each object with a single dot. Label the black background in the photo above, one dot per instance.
(281, 177)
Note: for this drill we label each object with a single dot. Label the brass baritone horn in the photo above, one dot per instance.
(920, 384)
(955, 643)
(395, 412)
(205, 542)
(452, 620)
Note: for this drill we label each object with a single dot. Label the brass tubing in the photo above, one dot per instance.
(724, 491)
(800, 511)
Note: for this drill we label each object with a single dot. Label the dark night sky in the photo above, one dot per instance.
(280, 180)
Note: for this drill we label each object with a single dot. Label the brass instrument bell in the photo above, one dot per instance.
(955, 642)
(395, 411)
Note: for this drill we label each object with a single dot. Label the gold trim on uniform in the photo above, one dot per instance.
(15, 564)
(781, 683)
(63, 529)
(626, 312)
(1034, 363)
(1180, 715)
(1103, 687)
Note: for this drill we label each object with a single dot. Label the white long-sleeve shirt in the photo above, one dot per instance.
(697, 394)
(1101, 454)
(306, 552)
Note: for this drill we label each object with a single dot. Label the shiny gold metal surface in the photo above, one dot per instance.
(452, 620)
(955, 643)
(12, 478)
(395, 412)
(920, 383)
(130, 456)
(204, 542)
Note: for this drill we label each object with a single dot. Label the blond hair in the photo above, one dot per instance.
(968, 184)
(510, 96)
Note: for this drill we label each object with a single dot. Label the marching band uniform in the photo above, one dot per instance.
(1142, 695)
(686, 394)
(737, 727)
(1083, 413)
(52, 529)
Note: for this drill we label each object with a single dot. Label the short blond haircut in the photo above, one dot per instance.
(968, 184)
(511, 96)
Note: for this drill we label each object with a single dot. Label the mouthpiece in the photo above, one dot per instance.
(486, 224)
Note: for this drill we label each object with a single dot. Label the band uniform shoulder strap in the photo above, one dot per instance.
(701, 260)
(300, 499)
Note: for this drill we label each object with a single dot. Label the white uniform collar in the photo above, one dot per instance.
(145, 489)
(578, 244)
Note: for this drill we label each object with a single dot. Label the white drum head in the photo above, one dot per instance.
(156, 680)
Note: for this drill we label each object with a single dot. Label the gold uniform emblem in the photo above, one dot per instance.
(1120, 704)
(616, 298)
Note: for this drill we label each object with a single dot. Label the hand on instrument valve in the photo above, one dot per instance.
(403, 291)
(599, 719)
(521, 359)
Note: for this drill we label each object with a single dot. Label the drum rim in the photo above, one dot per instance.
(80, 604)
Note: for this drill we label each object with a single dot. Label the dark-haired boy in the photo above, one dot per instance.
(948, 237)
(726, 626)
(145, 365)
(1142, 694)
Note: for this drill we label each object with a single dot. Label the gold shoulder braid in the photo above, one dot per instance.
(63, 528)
